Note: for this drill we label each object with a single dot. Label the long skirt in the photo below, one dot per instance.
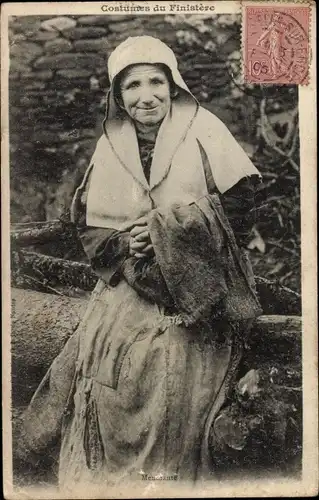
(133, 393)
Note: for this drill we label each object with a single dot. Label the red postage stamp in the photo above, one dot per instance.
(276, 44)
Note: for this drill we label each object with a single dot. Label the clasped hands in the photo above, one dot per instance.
(140, 244)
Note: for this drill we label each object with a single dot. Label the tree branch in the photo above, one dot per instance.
(51, 271)
(41, 232)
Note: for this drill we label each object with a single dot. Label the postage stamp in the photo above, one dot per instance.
(276, 44)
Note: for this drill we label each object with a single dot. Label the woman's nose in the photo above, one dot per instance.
(147, 96)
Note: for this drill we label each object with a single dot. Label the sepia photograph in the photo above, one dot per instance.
(155, 232)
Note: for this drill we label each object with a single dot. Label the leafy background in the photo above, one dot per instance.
(58, 83)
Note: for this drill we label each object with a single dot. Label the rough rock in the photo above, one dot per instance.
(118, 37)
(74, 73)
(92, 45)
(88, 32)
(35, 85)
(27, 51)
(57, 46)
(27, 25)
(28, 100)
(126, 26)
(43, 36)
(69, 61)
(101, 20)
(45, 137)
(18, 67)
(41, 75)
(60, 23)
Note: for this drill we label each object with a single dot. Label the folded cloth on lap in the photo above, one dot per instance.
(200, 262)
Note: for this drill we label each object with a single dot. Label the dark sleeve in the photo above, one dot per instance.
(144, 275)
(105, 248)
(239, 206)
(108, 252)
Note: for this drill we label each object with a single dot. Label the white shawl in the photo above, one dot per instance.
(118, 192)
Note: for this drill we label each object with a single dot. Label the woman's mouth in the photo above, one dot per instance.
(148, 109)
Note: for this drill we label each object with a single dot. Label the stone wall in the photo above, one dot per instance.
(58, 83)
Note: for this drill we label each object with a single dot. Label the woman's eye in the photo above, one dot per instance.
(157, 81)
(132, 85)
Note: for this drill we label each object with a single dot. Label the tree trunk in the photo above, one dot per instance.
(259, 428)
(45, 273)
(43, 232)
(42, 323)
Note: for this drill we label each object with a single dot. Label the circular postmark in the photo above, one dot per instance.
(277, 49)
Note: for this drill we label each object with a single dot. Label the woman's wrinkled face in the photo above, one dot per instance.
(145, 92)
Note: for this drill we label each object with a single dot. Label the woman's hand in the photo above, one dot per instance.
(140, 242)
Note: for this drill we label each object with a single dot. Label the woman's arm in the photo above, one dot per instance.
(114, 254)
(105, 248)
(239, 206)
(111, 257)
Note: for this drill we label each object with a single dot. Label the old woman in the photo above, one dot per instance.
(162, 213)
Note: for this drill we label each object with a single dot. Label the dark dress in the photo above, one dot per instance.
(139, 390)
